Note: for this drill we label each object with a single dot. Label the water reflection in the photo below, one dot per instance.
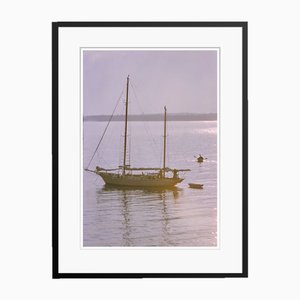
(125, 214)
(126, 201)
(165, 219)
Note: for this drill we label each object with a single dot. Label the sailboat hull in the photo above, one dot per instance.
(138, 180)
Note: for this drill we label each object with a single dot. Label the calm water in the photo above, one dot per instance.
(138, 217)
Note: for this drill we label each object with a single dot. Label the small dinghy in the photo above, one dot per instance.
(196, 185)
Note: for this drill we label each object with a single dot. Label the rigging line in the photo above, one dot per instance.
(129, 144)
(144, 123)
(105, 129)
(121, 138)
(146, 97)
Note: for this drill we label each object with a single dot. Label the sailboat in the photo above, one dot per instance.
(126, 176)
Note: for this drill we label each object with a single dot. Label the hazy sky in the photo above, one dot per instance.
(184, 81)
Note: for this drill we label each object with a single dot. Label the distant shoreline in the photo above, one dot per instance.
(153, 117)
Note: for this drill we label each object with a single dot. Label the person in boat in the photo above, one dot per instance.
(160, 173)
(200, 158)
(175, 173)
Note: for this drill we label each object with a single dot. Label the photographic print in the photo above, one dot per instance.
(149, 149)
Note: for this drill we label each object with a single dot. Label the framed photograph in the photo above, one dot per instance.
(149, 150)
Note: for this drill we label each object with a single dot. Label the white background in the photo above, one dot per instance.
(26, 146)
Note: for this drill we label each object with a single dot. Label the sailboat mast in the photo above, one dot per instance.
(125, 133)
(165, 137)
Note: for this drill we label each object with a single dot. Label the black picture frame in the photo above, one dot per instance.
(55, 149)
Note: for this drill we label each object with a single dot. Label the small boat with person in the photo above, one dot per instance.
(200, 158)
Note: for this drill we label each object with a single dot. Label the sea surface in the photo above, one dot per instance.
(128, 217)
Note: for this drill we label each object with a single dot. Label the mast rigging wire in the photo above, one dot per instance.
(105, 129)
(144, 123)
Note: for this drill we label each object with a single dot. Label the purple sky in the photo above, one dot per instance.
(184, 81)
